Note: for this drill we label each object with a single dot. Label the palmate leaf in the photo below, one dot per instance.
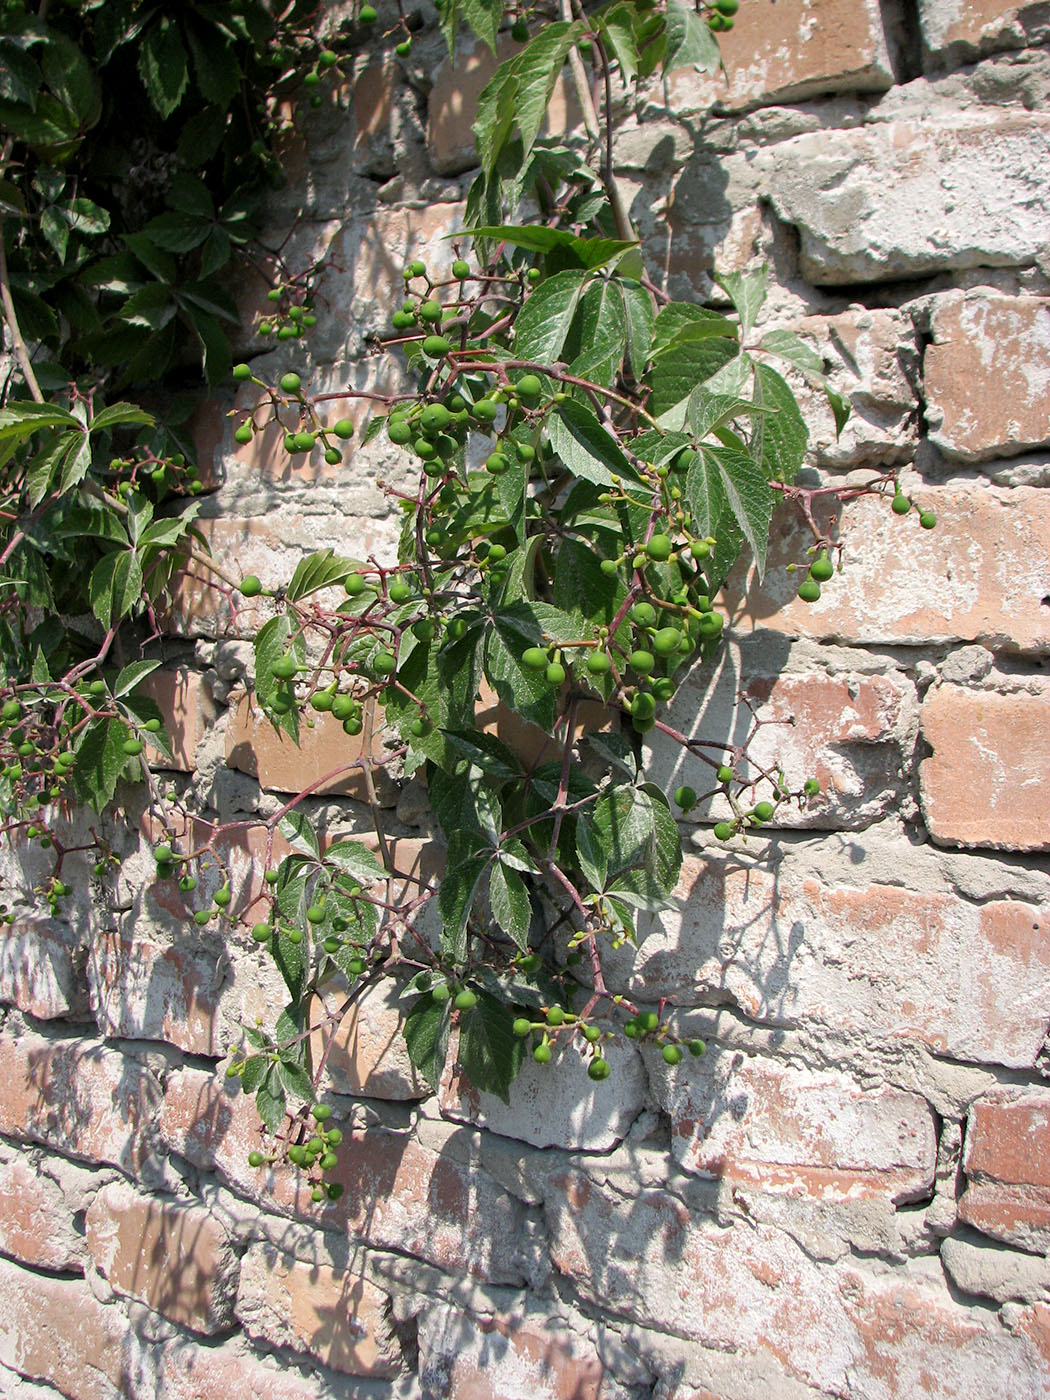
(163, 66)
(781, 436)
(519, 92)
(509, 900)
(689, 40)
(592, 252)
(587, 449)
(426, 1031)
(323, 569)
(749, 498)
(543, 323)
(489, 1052)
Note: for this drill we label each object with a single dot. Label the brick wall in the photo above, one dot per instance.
(849, 1196)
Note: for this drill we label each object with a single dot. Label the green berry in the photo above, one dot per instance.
(522, 1026)
(725, 774)
(644, 614)
(242, 372)
(465, 1000)
(261, 932)
(440, 993)
(384, 663)
(927, 519)
(642, 662)
(723, 831)
(763, 811)
(354, 585)
(809, 590)
(686, 798)
(251, 586)
(667, 641)
(485, 410)
(285, 667)
(223, 897)
(321, 1112)
(399, 431)
(519, 31)
(660, 548)
(598, 1069)
(290, 383)
(162, 855)
(900, 505)
(399, 591)
(430, 311)
(697, 1047)
(535, 658)
(672, 1054)
(542, 1053)
(822, 569)
(811, 787)
(132, 747)
(555, 1016)
(555, 673)
(344, 429)
(435, 346)
(460, 269)
(367, 15)
(598, 663)
(315, 913)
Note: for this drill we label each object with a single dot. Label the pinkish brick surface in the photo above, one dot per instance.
(1007, 1165)
(985, 783)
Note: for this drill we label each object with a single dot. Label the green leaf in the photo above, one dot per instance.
(296, 1080)
(519, 92)
(749, 498)
(788, 346)
(297, 829)
(538, 238)
(11, 200)
(253, 1073)
(464, 870)
(72, 79)
(290, 958)
(118, 414)
(707, 412)
(176, 232)
(131, 675)
(215, 344)
(355, 859)
(485, 752)
(100, 760)
(270, 1102)
(215, 64)
(747, 292)
(466, 803)
(510, 904)
(151, 307)
(681, 321)
(640, 318)
(599, 334)
(484, 17)
(705, 494)
(677, 371)
(76, 462)
(115, 586)
(163, 66)
(616, 26)
(20, 420)
(489, 1051)
(690, 42)
(316, 571)
(586, 448)
(591, 854)
(782, 436)
(543, 322)
(527, 692)
(426, 1036)
(273, 640)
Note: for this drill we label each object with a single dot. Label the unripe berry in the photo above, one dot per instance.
(291, 383)
(723, 831)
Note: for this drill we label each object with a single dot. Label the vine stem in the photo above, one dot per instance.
(18, 345)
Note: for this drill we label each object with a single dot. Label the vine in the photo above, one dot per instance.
(589, 460)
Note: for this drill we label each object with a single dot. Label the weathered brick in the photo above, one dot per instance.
(989, 1271)
(754, 1291)
(557, 1106)
(803, 1132)
(77, 1096)
(398, 1194)
(506, 1357)
(851, 732)
(334, 1314)
(1007, 1166)
(173, 1256)
(987, 375)
(37, 1207)
(143, 990)
(55, 1330)
(952, 29)
(970, 981)
(872, 358)
(187, 711)
(42, 969)
(984, 784)
(253, 746)
(916, 195)
(781, 53)
(186, 1371)
(979, 576)
(368, 1055)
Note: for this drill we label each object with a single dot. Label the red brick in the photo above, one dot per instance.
(36, 1221)
(853, 733)
(504, 1357)
(367, 1055)
(778, 52)
(985, 784)
(143, 990)
(187, 1371)
(969, 981)
(334, 1314)
(987, 376)
(187, 711)
(1007, 1166)
(253, 746)
(54, 1330)
(956, 27)
(753, 1291)
(172, 1256)
(979, 576)
(803, 1132)
(79, 1097)
(42, 969)
(398, 1194)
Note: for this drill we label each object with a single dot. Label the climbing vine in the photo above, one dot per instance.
(588, 460)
